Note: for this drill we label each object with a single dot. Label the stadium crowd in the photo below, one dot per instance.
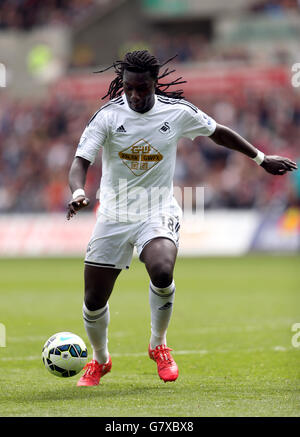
(275, 7)
(27, 14)
(190, 47)
(38, 142)
(197, 48)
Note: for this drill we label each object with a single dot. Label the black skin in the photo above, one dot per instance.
(159, 255)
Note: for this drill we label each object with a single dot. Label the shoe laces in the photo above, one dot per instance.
(92, 368)
(162, 354)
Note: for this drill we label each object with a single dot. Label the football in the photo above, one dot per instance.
(64, 354)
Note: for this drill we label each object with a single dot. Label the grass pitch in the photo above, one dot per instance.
(230, 331)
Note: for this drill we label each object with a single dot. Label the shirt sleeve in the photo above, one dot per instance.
(196, 123)
(93, 137)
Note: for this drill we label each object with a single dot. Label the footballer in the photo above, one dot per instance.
(138, 130)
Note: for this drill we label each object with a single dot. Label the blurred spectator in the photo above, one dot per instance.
(136, 42)
(26, 14)
(82, 56)
(275, 7)
(196, 48)
(189, 48)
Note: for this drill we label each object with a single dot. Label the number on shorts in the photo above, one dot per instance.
(170, 223)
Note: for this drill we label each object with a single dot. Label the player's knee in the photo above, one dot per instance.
(161, 274)
(93, 300)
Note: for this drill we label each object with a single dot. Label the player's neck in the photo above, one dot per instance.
(148, 107)
(151, 104)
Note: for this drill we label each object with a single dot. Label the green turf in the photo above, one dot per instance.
(230, 331)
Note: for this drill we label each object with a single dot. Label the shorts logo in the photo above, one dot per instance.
(140, 157)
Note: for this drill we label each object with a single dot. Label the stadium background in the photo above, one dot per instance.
(237, 57)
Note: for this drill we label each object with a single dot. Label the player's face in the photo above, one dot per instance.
(139, 89)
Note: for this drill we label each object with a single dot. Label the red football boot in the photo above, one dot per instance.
(93, 372)
(166, 366)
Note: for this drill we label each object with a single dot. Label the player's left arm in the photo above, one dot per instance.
(276, 165)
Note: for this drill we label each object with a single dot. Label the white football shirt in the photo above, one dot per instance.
(139, 154)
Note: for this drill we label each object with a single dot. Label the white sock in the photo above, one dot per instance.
(161, 306)
(96, 326)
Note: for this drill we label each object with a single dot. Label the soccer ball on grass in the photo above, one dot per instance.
(64, 354)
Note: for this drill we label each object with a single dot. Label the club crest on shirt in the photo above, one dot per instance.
(140, 157)
(165, 128)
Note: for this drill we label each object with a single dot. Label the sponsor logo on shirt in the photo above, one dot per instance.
(140, 157)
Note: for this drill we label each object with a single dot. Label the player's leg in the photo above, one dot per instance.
(159, 256)
(108, 252)
(99, 283)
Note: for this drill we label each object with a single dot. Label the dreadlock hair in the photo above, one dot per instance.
(141, 61)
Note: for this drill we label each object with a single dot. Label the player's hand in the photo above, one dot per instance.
(278, 165)
(76, 204)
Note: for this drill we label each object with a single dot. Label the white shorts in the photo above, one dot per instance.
(112, 243)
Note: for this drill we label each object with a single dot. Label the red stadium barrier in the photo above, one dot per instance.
(199, 81)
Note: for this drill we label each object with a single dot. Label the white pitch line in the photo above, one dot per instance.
(141, 354)
(180, 352)
(29, 358)
(134, 354)
(200, 330)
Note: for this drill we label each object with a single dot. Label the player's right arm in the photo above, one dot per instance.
(77, 178)
(91, 140)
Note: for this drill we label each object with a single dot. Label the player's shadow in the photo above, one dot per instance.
(107, 391)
